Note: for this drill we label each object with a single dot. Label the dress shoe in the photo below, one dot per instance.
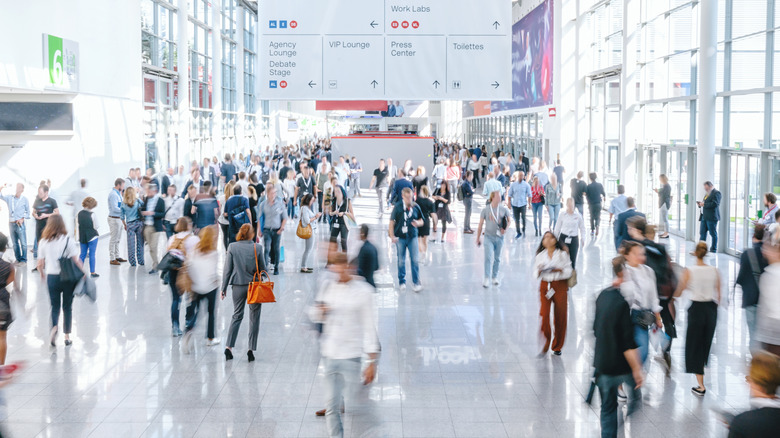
(250, 356)
(114, 262)
(119, 259)
(228, 354)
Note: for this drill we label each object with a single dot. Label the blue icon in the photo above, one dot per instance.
(272, 24)
(272, 84)
(282, 24)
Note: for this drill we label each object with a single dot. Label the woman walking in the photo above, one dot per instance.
(552, 266)
(88, 233)
(7, 276)
(552, 197)
(664, 204)
(180, 244)
(537, 202)
(55, 244)
(703, 282)
(442, 198)
(429, 216)
(340, 207)
(224, 220)
(202, 268)
(453, 175)
(419, 181)
(308, 220)
(494, 219)
(131, 219)
(244, 259)
(640, 292)
(569, 228)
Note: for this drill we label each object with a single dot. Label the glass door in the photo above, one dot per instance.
(651, 163)
(744, 200)
(605, 141)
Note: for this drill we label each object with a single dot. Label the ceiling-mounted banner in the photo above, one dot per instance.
(61, 63)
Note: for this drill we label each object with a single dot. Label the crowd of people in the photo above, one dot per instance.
(179, 215)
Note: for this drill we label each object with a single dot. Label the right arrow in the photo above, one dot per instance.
(374, 83)
(495, 84)
(436, 84)
(496, 24)
(373, 24)
(312, 84)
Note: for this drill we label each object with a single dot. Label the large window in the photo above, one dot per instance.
(230, 10)
(158, 34)
(250, 29)
(200, 69)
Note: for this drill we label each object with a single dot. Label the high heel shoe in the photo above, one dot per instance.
(250, 356)
(228, 354)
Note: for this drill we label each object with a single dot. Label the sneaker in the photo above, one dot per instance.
(517, 236)
(417, 287)
(402, 286)
(152, 271)
(496, 282)
(176, 332)
(486, 283)
(696, 390)
(186, 341)
(212, 342)
(94, 275)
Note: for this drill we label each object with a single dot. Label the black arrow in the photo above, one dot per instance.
(495, 84)
(496, 24)
(373, 24)
(312, 84)
(374, 83)
(436, 84)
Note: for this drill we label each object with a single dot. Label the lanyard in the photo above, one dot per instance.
(768, 214)
(494, 214)
(407, 215)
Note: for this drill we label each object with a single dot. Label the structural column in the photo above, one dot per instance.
(183, 55)
(707, 86)
(628, 79)
(216, 79)
(240, 107)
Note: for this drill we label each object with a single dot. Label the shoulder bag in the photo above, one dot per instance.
(69, 271)
(644, 318)
(260, 291)
(303, 232)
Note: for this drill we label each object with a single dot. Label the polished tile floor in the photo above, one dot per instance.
(458, 360)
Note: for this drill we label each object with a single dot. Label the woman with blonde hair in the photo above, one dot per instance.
(56, 244)
(202, 268)
(134, 225)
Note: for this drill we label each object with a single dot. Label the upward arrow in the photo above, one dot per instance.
(436, 84)
(374, 83)
(496, 24)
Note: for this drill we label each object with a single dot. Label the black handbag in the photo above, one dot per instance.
(170, 262)
(643, 318)
(69, 271)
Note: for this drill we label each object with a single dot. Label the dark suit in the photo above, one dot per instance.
(165, 182)
(213, 175)
(710, 215)
(621, 225)
(367, 262)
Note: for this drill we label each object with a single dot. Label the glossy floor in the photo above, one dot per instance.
(458, 360)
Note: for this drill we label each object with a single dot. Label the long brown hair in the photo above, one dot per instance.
(55, 227)
(129, 198)
(208, 239)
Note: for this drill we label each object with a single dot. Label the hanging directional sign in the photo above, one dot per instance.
(385, 49)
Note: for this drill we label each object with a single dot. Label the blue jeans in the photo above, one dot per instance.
(61, 294)
(712, 228)
(91, 247)
(175, 298)
(553, 211)
(537, 210)
(341, 375)
(493, 245)
(608, 391)
(19, 241)
(402, 245)
(642, 339)
(750, 318)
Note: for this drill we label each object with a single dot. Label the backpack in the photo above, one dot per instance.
(460, 194)
(238, 217)
(174, 257)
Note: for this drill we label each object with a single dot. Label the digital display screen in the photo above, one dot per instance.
(36, 116)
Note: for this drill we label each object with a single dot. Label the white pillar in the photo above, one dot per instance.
(628, 79)
(240, 76)
(216, 78)
(707, 88)
(183, 61)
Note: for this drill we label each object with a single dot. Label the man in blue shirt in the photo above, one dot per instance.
(492, 185)
(404, 221)
(621, 223)
(18, 211)
(399, 185)
(618, 205)
(115, 221)
(519, 193)
(468, 198)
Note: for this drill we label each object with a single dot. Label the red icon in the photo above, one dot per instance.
(283, 84)
(415, 24)
(405, 24)
(293, 24)
(394, 25)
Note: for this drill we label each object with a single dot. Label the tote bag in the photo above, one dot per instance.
(260, 291)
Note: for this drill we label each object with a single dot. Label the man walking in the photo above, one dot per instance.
(468, 201)
(380, 182)
(710, 215)
(43, 208)
(621, 224)
(519, 194)
(596, 196)
(153, 214)
(18, 212)
(273, 217)
(616, 356)
(355, 169)
(115, 221)
(367, 261)
(404, 221)
(578, 187)
(345, 308)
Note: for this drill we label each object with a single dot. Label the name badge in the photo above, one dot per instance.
(404, 229)
(568, 240)
(336, 224)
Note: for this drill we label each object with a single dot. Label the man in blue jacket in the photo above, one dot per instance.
(710, 215)
(621, 227)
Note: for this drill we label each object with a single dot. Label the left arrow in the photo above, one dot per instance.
(312, 84)
(373, 24)
(374, 83)
(495, 84)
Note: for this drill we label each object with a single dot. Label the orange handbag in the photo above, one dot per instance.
(260, 291)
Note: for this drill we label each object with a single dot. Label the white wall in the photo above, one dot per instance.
(108, 132)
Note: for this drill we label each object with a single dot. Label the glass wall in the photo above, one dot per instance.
(158, 34)
(250, 55)
(230, 10)
(512, 133)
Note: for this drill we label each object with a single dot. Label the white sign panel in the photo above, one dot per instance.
(385, 49)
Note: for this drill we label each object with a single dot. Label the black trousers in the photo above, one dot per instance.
(519, 212)
(668, 319)
(595, 216)
(702, 317)
(341, 230)
(574, 247)
(467, 216)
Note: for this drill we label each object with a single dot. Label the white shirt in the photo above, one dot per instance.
(703, 283)
(51, 251)
(639, 288)
(769, 304)
(349, 327)
(175, 209)
(570, 224)
(560, 260)
(202, 268)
